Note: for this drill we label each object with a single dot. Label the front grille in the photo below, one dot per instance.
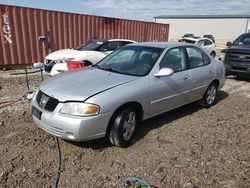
(239, 57)
(39, 96)
(51, 102)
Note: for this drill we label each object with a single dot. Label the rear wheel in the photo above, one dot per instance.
(123, 127)
(210, 95)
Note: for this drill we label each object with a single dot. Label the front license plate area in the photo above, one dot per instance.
(37, 113)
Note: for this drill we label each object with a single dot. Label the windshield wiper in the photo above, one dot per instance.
(106, 69)
(112, 70)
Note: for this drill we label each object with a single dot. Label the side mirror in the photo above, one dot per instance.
(164, 72)
(229, 43)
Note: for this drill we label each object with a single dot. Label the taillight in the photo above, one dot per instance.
(72, 65)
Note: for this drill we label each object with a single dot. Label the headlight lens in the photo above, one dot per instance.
(222, 56)
(80, 109)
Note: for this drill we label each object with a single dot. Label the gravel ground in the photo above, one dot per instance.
(188, 147)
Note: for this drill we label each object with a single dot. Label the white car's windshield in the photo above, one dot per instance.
(92, 45)
(131, 60)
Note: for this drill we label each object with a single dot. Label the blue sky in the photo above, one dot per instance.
(140, 9)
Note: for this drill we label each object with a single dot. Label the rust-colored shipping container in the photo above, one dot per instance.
(28, 34)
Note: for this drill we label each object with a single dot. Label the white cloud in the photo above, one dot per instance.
(147, 9)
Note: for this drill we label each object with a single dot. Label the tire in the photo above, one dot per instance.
(210, 95)
(123, 127)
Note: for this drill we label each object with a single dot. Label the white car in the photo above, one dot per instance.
(205, 43)
(87, 54)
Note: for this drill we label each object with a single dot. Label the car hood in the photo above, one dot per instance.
(238, 48)
(65, 53)
(81, 84)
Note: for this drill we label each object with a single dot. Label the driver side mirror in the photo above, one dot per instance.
(229, 43)
(163, 72)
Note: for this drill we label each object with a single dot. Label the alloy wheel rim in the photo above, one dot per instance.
(129, 126)
(211, 93)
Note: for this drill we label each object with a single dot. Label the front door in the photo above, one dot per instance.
(171, 91)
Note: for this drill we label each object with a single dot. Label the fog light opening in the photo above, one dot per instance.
(70, 136)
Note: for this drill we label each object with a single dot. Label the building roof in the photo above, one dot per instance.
(226, 16)
(159, 44)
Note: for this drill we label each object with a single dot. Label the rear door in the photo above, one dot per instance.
(201, 69)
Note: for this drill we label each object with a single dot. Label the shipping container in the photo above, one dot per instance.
(29, 34)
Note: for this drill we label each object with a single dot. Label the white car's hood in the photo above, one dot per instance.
(66, 54)
(81, 84)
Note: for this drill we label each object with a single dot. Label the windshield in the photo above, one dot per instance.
(243, 40)
(92, 45)
(131, 60)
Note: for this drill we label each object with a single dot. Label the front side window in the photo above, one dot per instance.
(174, 59)
(131, 60)
(196, 57)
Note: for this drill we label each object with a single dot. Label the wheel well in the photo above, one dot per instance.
(217, 82)
(137, 106)
(213, 52)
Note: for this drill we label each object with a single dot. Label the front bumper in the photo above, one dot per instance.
(70, 127)
(238, 69)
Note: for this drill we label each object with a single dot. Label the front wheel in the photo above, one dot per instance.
(210, 95)
(123, 127)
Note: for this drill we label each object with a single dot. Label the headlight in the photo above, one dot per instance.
(222, 56)
(80, 109)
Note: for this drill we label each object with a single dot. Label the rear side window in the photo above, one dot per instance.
(174, 59)
(110, 46)
(196, 57)
(123, 43)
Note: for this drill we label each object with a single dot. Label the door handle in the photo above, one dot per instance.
(186, 78)
(210, 72)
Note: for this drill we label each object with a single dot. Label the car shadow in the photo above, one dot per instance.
(238, 78)
(147, 126)
(156, 122)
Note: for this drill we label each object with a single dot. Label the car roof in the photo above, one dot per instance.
(195, 40)
(121, 40)
(109, 40)
(161, 44)
(191, 38)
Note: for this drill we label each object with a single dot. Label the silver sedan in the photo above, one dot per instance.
(132, 84)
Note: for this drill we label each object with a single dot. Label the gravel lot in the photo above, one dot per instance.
(188, 147)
